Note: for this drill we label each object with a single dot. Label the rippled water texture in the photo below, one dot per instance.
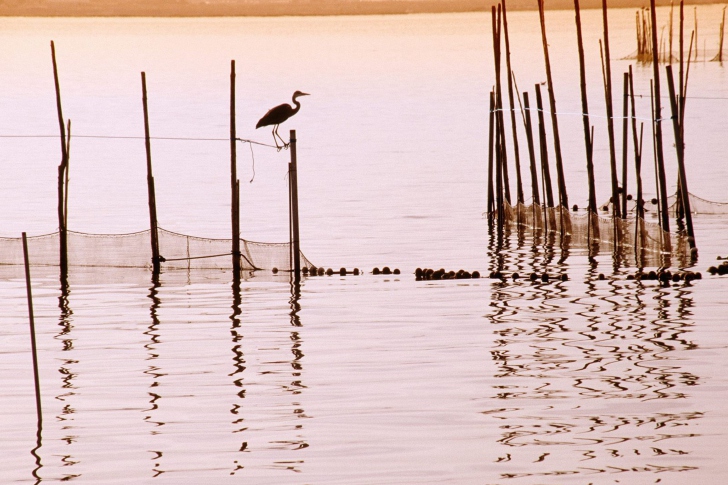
(355, 380)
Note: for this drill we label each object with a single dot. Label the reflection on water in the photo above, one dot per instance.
(153, 371)
(585, 369)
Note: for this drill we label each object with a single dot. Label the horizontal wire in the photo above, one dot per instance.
(122, 137)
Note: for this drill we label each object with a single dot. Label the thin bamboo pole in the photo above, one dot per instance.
(680, 148)
(563, 197)
(545, 172)
(617, 211)
(234, 182)
(33, 345)
(293, 175)
(531, 151)
(68, 168)
(491, 123)
(669, 55)
(625, 142)
(62, 233)
(639, 208)
(497, 22)
(511, 104)
(722, 33)
(592, 206)
(657, 117)
(152, 199)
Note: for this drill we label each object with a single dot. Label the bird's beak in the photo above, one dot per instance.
(304, 94)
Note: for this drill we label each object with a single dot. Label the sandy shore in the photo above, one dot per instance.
(220, 8)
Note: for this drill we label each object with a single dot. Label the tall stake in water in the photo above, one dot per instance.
(62, 232)
(293, 180)
(617, 212)
(500, 140)
(592, 207)
(625, 140)
(152, 199)
(657, 121)
(531, 151)
(563, 198)
(234, 182)
(491, 117)
(680, 148)
(519, 183)
(31, 318)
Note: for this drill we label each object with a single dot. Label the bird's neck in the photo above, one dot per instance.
(297, 104)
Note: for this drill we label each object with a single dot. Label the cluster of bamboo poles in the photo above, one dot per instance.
(644, 37)
(499, 196)
(157, 259)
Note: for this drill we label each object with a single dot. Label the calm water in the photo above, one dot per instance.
(367, 379)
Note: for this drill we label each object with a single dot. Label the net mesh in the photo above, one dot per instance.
(134, 251)
(606, 232)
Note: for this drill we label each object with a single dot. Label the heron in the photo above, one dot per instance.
(279, 114)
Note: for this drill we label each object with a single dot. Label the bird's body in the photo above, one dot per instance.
(279, 114)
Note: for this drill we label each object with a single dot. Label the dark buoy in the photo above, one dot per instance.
(386, 270)
(605, 208)
(320, 271)
(396, 271)
(545, 277)
(629, 196)
(533, 277)
(375, 270)
(654, 201)
(304, 270)
(515, 276)
(467, 275)
(275, 270)
(476, 274)
(329, 272)
(342, 271)
(564, 277)
(356, 271)
(575, 208)
(418, 272)
(630, 276)
(602, 277)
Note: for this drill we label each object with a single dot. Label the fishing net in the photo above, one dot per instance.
(134, 251)
(604, 233)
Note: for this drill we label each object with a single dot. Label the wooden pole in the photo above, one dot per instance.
(496, 20)
(151, 195)
(680, 148)
(563, 198)
(545, 172)
(657, 117)
(293, 177)
(625, 142)
(592, 205)
(616, 207)
(531, 151)
(32, 332)
(639, 208)
(68, 168)
(491, 202)
(234, 182)
(519, 183)
(63, 236)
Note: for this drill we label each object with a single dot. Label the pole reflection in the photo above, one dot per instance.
(154, 371)
(238, 367)
(69, 389)
(592, 385)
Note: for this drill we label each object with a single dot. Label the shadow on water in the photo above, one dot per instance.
(586, 392)
(153, 370)
(67, 414)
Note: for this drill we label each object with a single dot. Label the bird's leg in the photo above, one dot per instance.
(285, 145)
(275, 140)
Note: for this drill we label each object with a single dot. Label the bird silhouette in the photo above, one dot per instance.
(279, 114)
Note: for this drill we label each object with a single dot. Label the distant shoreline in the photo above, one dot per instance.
(279, 8)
